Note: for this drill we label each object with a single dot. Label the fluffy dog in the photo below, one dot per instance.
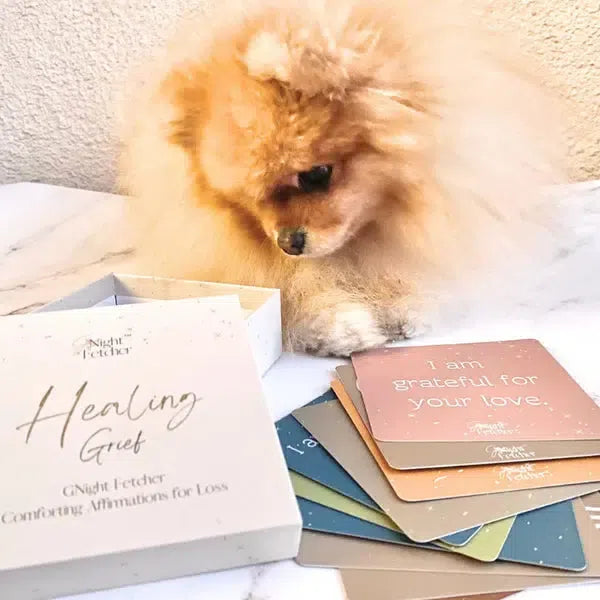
(370, 159)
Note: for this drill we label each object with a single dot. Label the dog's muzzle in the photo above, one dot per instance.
(292, 240)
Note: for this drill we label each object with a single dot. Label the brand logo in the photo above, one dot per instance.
(499, 429)
(509, 452)
(522, 473)
(90, 348)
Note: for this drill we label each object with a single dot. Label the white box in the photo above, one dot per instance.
(135, 445)
(261, 306)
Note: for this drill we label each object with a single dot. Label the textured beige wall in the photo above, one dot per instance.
(564, 35)
(63, 60)
(62, 63)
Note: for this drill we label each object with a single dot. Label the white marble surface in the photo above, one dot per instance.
(53, 240)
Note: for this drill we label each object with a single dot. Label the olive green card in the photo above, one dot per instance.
(485, 546)
(321, 494)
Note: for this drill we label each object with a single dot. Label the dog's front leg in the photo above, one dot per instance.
(405, 321)
(327, 328)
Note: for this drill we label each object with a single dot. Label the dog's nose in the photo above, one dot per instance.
(291, 241)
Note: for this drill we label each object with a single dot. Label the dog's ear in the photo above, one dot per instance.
(306, 61)
(268, 57)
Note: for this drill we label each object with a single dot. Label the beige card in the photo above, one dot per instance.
(323, 550)
(420, 521)
(451, 482)
(417, 455)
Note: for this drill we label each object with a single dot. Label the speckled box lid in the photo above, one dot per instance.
(261, 307)
(135, 445)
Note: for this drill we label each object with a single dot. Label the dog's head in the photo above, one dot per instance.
(317, 120)
(290, 120)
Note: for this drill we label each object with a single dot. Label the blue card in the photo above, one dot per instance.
(304, 455)
(316, 517)
(546, 537)
(461, 538)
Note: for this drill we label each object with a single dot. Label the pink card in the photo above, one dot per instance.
(491, 391)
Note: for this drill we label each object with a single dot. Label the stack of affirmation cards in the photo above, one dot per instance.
(476, 463)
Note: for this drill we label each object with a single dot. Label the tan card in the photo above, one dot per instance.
(483, 392)
(416, 455)
(433, 484)
(322, 550)
(408, 585)
(498, 596)
(420, 521)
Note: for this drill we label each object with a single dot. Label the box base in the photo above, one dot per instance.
(46, 582)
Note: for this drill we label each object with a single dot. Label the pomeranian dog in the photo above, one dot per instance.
(369, 159)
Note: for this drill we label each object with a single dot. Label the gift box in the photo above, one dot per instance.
(135, 441)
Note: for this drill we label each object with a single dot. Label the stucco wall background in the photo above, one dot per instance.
(564, 36)
(62, 62)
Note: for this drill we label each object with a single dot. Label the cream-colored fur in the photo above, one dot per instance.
(440, 140)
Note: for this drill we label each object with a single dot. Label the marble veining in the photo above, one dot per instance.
(54, 240)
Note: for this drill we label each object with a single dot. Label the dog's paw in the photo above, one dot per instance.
(349, 328)
(414, 324)
(406, 323)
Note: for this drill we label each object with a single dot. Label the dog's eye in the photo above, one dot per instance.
(315, 180)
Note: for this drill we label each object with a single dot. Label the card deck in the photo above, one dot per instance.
(544, 536)
(491, 391)
(317, 517)
(317, 492)
(485, 546)
(420, 521)
(305, 456)
(452, 482)
(327, 551)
